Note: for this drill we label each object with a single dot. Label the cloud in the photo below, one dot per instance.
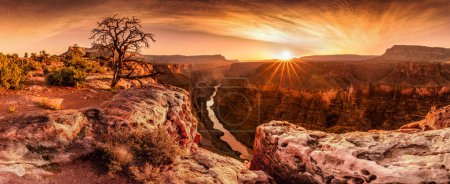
(318, 27)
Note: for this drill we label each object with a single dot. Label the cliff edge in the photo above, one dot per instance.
(292, 154)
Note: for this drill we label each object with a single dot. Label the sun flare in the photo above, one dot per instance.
(285, 56)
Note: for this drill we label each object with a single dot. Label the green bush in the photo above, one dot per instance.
(75, 60)
(66, 76)
(139, 153)
(13, 71)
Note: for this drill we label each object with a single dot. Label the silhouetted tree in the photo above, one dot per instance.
(122, 38)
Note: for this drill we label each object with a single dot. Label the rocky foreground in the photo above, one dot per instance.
(292, 154)
(31, 144)
(34, 143)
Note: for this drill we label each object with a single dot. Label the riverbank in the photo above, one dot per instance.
(245, 152)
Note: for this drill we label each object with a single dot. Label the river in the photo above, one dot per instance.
(229, 138)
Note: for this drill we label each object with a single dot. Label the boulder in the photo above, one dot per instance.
(206, 167)
(30, 142)
(435, 119)
(292, 154)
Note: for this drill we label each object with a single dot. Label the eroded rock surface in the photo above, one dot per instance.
(292, 154)
(206, 167)
(32, 144)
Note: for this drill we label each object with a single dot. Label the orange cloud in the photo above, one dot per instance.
(260, 27)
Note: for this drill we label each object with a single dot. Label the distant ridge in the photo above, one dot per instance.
(181, 59)
(415, 53)
(337, 57)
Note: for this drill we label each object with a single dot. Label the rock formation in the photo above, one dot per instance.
(207, 167)
(414, 53)
(436, 119)
(30, 143)
(292, 154)
(332, 96)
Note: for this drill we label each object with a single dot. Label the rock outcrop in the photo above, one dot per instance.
(292, 154)
(415, 53)
(436, 119)
(207, 167)
(33, 141)
(31, 144)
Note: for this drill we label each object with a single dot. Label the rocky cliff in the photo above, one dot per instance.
(33, 143)
(292, 154)
(333, 96)
(414, 53)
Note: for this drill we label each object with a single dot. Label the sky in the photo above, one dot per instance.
(237, 29)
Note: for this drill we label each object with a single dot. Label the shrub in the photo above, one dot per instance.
(139, 154)
(12, 108)
(75, 60)
(66, 76)
(13, 71)
(54, 104)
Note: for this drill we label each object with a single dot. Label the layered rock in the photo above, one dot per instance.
(415, 53)
(332, 96)
(292, 154)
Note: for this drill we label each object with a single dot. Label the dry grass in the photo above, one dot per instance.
(50, 103)
(12, 108)
(139, 154)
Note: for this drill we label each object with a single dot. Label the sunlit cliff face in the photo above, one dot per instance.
(237, 29)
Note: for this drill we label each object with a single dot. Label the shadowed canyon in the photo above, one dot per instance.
(224, 92)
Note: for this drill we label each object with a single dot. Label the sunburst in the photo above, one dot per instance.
(283, 74)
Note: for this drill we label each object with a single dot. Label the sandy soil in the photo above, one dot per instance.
(73, 97)
(77, 172)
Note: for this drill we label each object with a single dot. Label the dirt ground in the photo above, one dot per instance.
(15, 101)
(77, 172)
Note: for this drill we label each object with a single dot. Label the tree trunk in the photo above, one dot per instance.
(117, 71)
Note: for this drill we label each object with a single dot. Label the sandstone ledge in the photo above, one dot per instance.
(291, 154)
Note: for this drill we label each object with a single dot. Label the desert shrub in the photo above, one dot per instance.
(13, 71)
(34, 65)
(139, 154)
(50, 103)
(66, 76)
(76, 60)
(12, 108)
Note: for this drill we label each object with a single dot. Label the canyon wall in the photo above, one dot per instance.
(333, 96)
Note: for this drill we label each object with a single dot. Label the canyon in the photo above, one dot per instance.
(333, 96)
(370, 119)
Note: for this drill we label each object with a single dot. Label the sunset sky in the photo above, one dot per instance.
(240, 29)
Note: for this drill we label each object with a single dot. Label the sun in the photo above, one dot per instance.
(285, 56)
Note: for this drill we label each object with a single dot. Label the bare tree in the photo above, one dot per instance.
(122, 38)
